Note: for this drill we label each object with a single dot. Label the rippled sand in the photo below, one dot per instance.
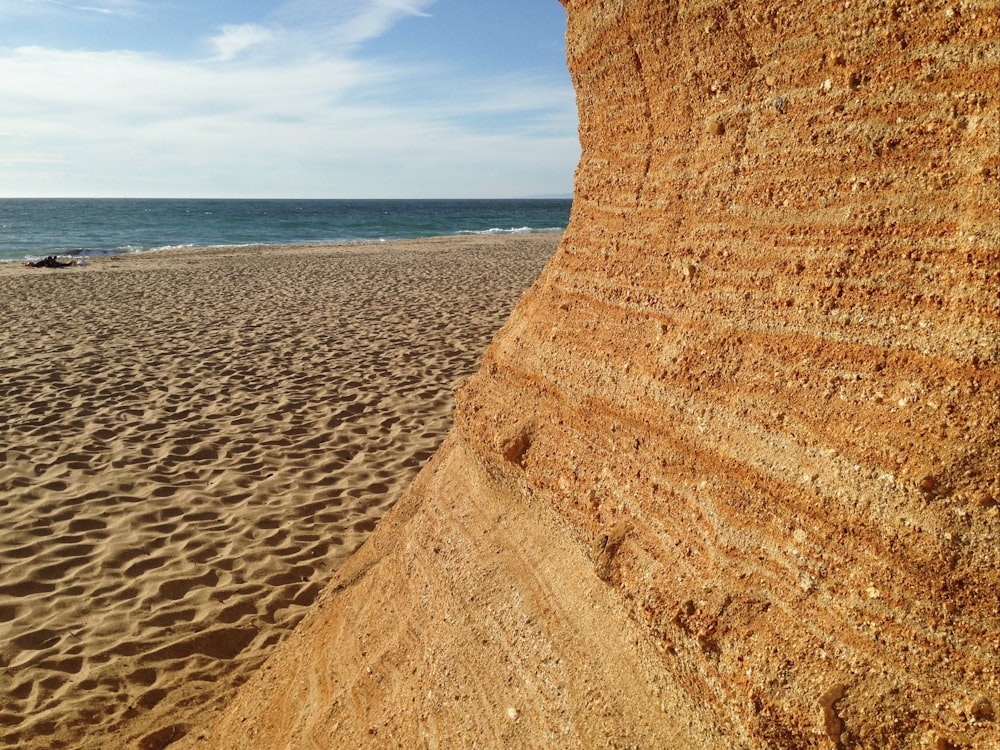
(194, 440)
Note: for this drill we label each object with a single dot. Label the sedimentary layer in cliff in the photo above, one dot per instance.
(729, 476)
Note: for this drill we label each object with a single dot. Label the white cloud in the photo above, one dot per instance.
(232, 40)
(28, 159)
(123, 89)
(103, 7)
(348, 22)
(110, 7)
(376, 17)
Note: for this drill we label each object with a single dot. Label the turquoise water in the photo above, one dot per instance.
(33, 228)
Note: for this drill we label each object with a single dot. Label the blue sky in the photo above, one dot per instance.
(301, 98)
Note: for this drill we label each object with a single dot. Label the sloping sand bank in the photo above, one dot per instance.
(194, 440)
(497, 634)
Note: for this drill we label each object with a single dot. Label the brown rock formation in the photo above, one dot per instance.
(729, 476)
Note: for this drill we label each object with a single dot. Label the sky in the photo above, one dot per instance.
(292, 99)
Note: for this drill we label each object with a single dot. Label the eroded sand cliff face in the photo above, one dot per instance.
(729, 476)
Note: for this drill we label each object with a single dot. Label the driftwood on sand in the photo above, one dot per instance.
(49, 262)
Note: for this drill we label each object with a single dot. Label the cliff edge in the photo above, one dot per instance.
(728, 478)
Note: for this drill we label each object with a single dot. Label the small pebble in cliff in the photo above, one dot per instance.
(981, 710)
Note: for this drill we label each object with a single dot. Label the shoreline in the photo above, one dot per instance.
(199, 437)
(90, 255)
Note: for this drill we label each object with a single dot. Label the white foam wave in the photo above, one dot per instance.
(512, 230)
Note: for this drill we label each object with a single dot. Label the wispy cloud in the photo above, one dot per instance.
(378, 16)
(103, 7)
(110, 7)
(23, 159)
(232, 40)
(348, 22)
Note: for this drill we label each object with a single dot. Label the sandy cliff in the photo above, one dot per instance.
(729, 475)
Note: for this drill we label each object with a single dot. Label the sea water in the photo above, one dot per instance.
(35, 228)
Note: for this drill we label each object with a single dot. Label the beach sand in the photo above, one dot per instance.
(194, 440)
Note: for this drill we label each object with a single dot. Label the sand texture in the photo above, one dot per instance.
(193, 441)
(728, 478)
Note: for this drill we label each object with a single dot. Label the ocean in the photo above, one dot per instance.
(69, 227)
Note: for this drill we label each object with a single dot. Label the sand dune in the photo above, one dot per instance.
(193, 441)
